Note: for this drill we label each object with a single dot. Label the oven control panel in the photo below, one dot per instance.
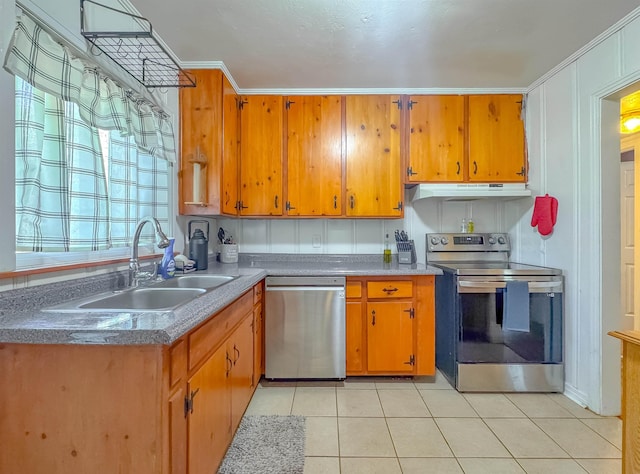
(485, 242)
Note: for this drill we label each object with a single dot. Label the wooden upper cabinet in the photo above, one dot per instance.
(209, 145)
(231, 148)
(373, 165)
(314, 156)
(436, 138)
(201, 144)
(496, 139)
(261, 149)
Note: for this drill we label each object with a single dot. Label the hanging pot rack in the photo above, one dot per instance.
(138, 52)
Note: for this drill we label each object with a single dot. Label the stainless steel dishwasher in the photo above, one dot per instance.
(305, 328)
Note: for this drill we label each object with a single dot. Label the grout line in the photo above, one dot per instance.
(570, 416)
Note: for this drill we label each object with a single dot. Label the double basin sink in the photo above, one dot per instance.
(160, 296)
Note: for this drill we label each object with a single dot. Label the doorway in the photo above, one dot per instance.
(628, 146)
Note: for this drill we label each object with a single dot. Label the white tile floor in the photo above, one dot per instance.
(387, 426)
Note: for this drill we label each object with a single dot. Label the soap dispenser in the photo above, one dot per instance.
(168, 263)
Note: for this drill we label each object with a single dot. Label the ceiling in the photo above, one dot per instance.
(381, 44)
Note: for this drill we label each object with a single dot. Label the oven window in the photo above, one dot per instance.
(482, 338)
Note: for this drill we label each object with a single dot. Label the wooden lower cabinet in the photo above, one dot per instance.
(149, 409)
(210, 421)
(390, 325)
(354, 329)
(218, 395)
(240, 349)
(630, 400)
(177, 431)
(390, 334)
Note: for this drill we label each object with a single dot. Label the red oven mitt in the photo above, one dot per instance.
(545, 212)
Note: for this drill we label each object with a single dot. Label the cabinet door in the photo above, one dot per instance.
(436, 138)
(390, 337)
(314, 156)
(200, 144)
(240, 349)
(178, 431)
(210, 422)
(230, 151)
(354, 328)
(496, 139)
(261, 156)
(373, 179)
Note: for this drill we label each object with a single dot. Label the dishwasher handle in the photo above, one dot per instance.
(304, 282)
(305, 288)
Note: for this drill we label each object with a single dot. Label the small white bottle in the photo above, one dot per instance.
(463, 226)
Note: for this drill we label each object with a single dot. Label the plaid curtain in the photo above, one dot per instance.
(61, 194)
(35, 57)
(64, 199)
(138, 187)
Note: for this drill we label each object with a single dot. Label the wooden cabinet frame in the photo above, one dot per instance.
(487, 142)
(209, 136)
(73, 409)
(421, 299)
(249, 172)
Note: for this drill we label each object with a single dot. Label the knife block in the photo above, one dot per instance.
(406, 252)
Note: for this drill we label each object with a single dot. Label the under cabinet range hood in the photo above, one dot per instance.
(468, 191)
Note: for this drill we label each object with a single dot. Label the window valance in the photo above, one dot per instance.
(37, 58)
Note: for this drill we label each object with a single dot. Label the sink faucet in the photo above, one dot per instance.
(135, 275)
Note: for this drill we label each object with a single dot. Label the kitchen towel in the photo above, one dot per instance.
(516, 306)
(545, 212)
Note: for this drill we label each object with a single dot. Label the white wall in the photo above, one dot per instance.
(574, 155)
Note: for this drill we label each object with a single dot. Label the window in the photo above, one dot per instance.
(92, 156)
(80, 191)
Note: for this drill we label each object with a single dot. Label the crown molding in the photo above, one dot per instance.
(586, 48)
(348, 91)
(386, 91)
(212, 65)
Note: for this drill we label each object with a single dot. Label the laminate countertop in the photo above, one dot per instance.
(22, 319)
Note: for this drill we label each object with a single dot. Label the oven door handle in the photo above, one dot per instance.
(466, 286)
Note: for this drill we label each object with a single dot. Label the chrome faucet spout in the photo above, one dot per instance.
(135, 276)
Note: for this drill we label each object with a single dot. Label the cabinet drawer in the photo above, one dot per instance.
(354, 289)
(204, 339)
(390, 289)
(257, 293)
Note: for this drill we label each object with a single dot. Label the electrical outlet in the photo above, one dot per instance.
(316, 241)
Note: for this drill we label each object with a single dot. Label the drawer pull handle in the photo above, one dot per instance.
(389, 290)
(229, 365)
(235, 349)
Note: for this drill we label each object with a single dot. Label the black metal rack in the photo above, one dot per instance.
(138, 52)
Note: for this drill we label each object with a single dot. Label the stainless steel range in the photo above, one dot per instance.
(499, 324)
